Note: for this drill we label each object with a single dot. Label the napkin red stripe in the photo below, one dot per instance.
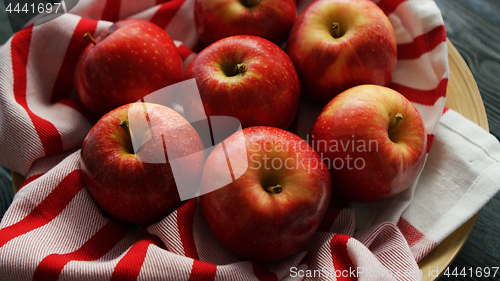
(184, 51)
(425, 97)
(202, 271)
(185, 219)
(411, 234)
(64, 81)
(340, 256)
(98, 245)
(129, 267)
(166, 12)
(422, 44)
(445, 109)
(47, 132)
(111, 10)
(50, 207)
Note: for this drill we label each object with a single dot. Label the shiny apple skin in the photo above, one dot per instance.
(131, 59)
(391, 158)
(218, 19)
(138, 188)
(267, 94)
(251, 222)
(365, 53)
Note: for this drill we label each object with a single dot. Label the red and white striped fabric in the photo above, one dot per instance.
(54, 230)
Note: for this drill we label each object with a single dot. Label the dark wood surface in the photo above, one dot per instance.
(473, 26)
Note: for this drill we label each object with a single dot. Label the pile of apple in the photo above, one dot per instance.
(368, 144)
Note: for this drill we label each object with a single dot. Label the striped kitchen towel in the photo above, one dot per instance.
(55, 231)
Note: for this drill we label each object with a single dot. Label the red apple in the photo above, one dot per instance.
(339, 44)
(218, 19)
(128, 61)
(272, 210)
(125, 165)
(246, 77)
(373, 140)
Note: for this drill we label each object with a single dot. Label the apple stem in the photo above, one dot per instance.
(241, 68)
(336, 29)
(88, 36)
(126, 127)
(274, 189)
(398, 117)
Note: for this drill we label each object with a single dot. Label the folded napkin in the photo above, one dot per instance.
(54, 231)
